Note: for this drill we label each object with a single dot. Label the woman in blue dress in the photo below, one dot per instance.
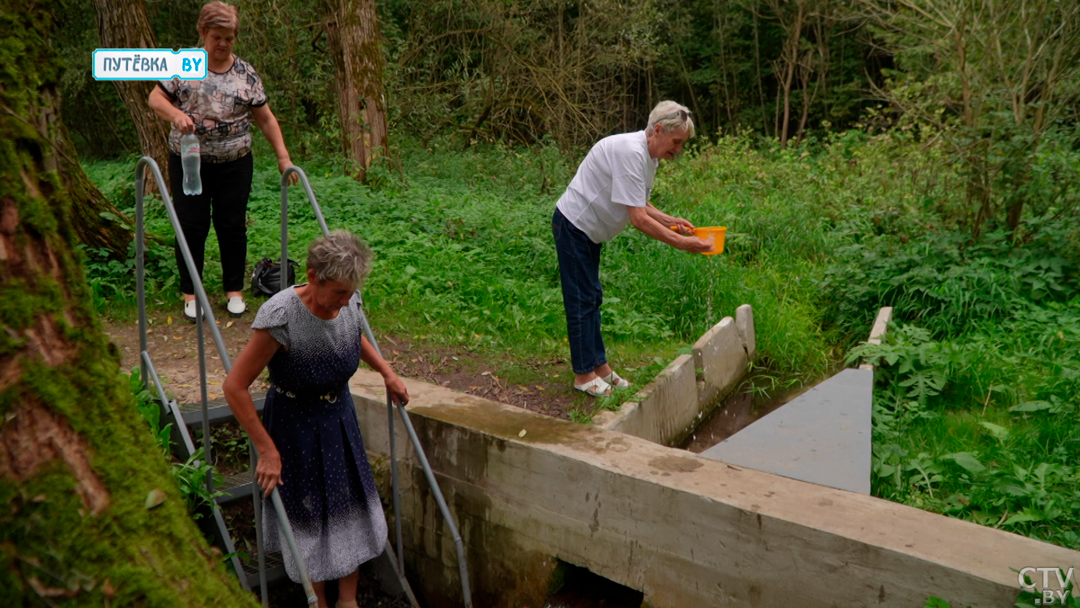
(308, 441)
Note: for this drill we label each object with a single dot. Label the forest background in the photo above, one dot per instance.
(919, 154)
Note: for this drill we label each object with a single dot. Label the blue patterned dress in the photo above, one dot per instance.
(328, 490)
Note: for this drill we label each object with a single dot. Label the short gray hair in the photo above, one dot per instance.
(670, 116)
(342, 257)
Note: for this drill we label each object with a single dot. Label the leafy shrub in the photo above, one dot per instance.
(947, 285)
(191, 475)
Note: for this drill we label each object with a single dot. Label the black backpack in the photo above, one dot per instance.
(266, 278)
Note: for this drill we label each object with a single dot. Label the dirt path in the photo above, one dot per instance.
(173, 346)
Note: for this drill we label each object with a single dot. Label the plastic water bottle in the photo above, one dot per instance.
(189, 156)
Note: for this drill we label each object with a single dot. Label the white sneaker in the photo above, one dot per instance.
(189, 310)
(236, 306)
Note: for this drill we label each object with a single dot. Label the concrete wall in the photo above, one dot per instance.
(668, 409)
(665, 411)
(684, 530)
(877, 332)
(720, 354)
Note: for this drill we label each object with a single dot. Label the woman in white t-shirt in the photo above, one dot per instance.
(610, 190)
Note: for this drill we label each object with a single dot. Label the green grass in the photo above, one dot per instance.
(464, 257)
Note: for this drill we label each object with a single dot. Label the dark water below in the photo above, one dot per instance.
(583, 589)
(734, 414)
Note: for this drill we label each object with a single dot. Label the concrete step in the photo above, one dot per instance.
(823, 436)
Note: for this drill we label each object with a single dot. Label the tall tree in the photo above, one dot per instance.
(792, 16)
(998, 79)
(353, 29)
(76, 460)
(123, 24)
(97, 223)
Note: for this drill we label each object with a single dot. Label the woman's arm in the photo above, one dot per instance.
(684, 226)
(165, 110)
(644, 221)
(394, 386)
(268, 124)
(251, 362)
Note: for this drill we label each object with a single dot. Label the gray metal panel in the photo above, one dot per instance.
(217, 412)
(823, 436)
(235, 487)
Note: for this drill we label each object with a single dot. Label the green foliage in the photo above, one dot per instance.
(997, 81)
(150, 411)
(948, 285)
(985, 425)
(192, 475)
(482, 70)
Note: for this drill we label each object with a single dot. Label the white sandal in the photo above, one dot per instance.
(616, 381)
(189, 310)
(236, 306)
(594, 388)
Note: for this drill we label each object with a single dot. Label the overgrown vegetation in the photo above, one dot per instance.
(976, 409)
(192, 474)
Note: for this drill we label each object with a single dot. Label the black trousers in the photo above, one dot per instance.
(223, 202)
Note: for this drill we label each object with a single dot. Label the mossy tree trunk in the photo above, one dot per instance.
(123, 24)
(353, 30)
(97, 223)
(76, 459)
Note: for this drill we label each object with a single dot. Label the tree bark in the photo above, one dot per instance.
(790, 60)
(353, 30)
(76, 459)
(96, 222)
(110, 231)
(123, 24)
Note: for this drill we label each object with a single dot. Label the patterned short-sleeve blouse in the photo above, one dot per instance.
(221, 107)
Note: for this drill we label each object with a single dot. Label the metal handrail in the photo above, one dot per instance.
(203, 305)
(366, 327)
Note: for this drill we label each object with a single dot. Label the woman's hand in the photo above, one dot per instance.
(695, 244)
(183, 122)
(285, 163)
(268, 472)
(684, 227)
(396, 390)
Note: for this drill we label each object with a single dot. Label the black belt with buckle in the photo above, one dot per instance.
(330, 397)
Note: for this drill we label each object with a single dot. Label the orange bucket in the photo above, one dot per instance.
(714, 232)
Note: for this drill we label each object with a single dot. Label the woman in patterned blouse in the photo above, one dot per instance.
(219, 110)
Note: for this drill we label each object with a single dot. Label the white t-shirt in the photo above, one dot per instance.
(617, 173)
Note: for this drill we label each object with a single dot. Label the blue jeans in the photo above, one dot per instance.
(579, 272)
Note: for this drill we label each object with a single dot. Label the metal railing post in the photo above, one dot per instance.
(204, 304)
